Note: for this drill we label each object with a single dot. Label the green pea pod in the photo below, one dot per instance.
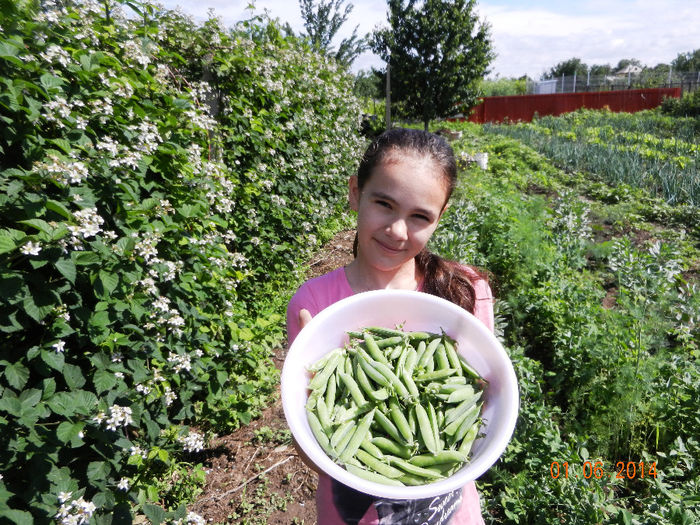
(358, 436)
(452, 355)
(323, 416)
(354, 390)
(469, 414)
(411, 359)
(394, 381)
(318, 365)
(378, 466)
(458, 411)
(388, 426)
(320, 435)
(441, 357)
(443, 456)
(426, 429)
(400, 421)
(372, 476)
(330, 392)
(428, 354)
(413, 469)
(374, 350)
(372, 372)
(341, 432)
(469, 370)
(410, 385)
(466, 446)
(321, 378)
(371, 448)
(389, 341)
(392, 447)
(468, 422)
(435, 374)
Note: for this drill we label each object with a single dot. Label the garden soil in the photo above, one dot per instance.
(254, 475)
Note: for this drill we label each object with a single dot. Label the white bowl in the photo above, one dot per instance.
(416, 311)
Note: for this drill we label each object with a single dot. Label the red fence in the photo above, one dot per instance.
(523, 107)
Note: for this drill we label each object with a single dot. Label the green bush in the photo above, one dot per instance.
(161, 183)
(686, 106)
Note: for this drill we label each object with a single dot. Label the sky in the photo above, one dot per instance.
(529, 36)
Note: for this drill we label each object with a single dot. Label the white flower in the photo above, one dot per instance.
(193, 442)
(31, 248)
(59, 346)
(123, 484)
(138, 451)
(64, 496)
(119, 375)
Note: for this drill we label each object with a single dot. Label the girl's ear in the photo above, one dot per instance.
(353, 193)
(444, 209)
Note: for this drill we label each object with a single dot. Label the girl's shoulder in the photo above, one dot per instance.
(322, 291)
(479, 280)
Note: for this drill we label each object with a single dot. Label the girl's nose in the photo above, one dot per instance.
(398, 230)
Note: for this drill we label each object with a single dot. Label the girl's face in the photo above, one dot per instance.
(398, 209)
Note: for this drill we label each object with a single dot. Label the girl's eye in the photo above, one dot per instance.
(422, 217)
(384, 204)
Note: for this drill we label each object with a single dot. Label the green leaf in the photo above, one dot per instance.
(8, 50)
(85, 258)
(6, 243)
(54, 359)
(98, 471)
(154, 513)
(70, 403)
(104, 380)
(59, 208)
(66, 267)
(18, 517)
(68, 431)
(73, 376)
(49, 81)
(30, 398)
(38, 305)
(17, 375)
(39, 224)
(105, 283)
(11, 405)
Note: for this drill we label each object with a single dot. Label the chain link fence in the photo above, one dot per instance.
(687, 81)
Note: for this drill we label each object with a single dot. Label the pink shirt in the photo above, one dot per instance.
(319, 293)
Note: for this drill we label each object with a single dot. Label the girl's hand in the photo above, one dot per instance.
(304, 317)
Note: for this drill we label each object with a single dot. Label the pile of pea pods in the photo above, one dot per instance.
(395, 407)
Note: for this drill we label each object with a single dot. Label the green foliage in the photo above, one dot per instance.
(689, 61)
(503, 87)
(161, 183)
(645, 149)
(322, 20)
(568, 68)
(437, 52)
(600, 380)
(686, 106)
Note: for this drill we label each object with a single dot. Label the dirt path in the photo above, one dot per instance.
(254, 475)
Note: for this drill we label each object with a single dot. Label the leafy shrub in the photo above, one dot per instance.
(686, 106)
(160, 185)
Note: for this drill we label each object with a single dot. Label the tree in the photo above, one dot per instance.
(567, 68)
(622, 64)
(600, 69)
(689, 61)
(437, 52)
(322, 22)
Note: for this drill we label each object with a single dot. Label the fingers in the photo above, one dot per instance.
(304, 317)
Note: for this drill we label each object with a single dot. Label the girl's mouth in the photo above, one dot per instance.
(388, 248)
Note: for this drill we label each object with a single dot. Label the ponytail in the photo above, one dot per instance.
(448, 279)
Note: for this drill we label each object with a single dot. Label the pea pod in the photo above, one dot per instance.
(358, 437)
(426, 429)
(372, 476)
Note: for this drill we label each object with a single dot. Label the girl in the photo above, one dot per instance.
(401, 190)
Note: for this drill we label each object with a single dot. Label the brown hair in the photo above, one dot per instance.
(443, 278)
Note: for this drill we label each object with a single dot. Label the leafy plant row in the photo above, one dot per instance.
(620, 154)
(604, 337)
(161, 183)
